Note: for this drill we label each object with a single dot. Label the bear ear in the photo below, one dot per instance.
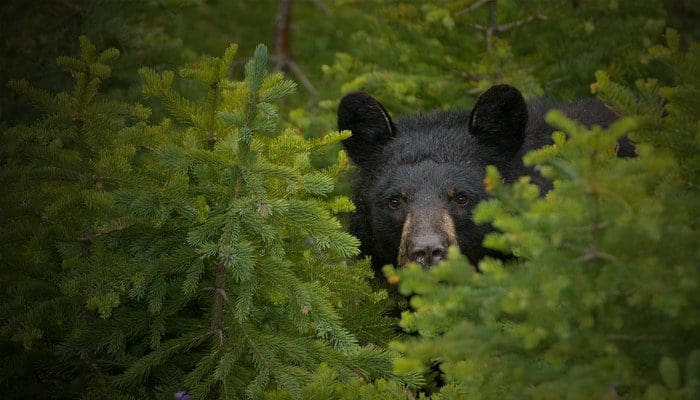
(369, 123)
(499, 119)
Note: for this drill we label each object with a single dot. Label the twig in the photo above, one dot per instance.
(320, 4)
(294, 67)
(593, 254)
(638, 338)
(510, 25)
(493, 23)
(515, 24)
(587, 228)
(493, 28)
(86, 237)
(590, 253)
(472, 7)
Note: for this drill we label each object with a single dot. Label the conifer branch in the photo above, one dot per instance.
(472, 7)
(593, 254)
(493, 24)
(217, 318)
(517, 23)
(254, 347)
(510, 25)
(299, 73)
(587, 228)
(410, 395)
(493, 28)
(320, 4)
(638, 338)
(214, 93)
(220, 297)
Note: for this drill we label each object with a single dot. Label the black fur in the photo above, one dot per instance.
(425, 157)
(370, 124)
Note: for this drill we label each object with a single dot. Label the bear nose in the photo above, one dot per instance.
(427, 251)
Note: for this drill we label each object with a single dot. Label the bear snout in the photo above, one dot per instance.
(425, 237)
(428, 250)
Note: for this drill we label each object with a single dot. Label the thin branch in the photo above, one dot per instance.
(320, 4)
(593, 254)
(409, 394)
(638, 338)
(472, 7)
(254, 347)
(587, 228)
(299, 73)
(493, 28)
(590, 253)
(493, 23)
(214, 94)
(462, 74)
(515, 24)
(510, 25)
(283, 51)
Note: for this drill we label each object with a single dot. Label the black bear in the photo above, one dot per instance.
(421, 176)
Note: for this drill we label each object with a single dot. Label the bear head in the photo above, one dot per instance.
(419, 178)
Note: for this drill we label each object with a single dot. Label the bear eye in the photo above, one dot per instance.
(461, 199)
(394, 202)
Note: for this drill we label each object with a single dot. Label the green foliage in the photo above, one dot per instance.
(679, 97)
(38, 32)
(551, 47)
(195, 243)
(328, 385)
(217, 214)
(58, 177)
(602, 299)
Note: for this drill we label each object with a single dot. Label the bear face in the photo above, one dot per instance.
(419, 209)
(419, 178)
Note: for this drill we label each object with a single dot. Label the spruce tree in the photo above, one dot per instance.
(56, 186)
(255, 224)
(602, 299)
(201, 254)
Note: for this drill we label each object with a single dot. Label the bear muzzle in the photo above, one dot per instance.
(427, 250)
(425, 237)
